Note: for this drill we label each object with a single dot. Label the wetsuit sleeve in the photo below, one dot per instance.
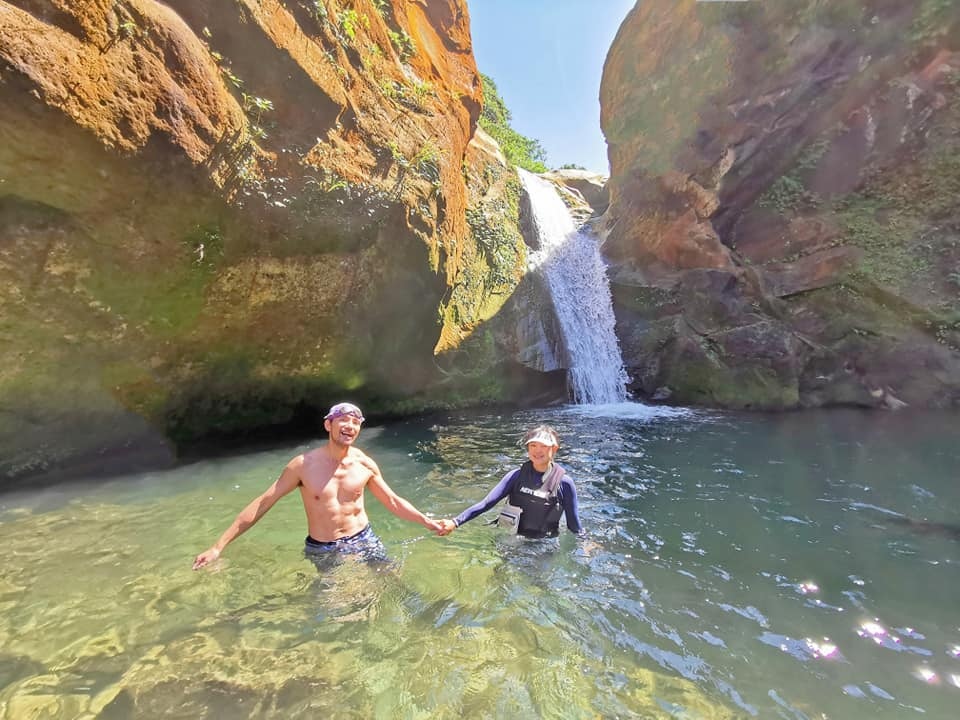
(498, 493)
(571, 506)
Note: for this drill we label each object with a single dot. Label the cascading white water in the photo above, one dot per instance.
(576, 277)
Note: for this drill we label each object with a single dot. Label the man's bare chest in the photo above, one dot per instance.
(340, 483)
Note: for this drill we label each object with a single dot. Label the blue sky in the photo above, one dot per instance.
(546, 57)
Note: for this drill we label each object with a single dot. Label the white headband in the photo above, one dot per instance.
(544, 438)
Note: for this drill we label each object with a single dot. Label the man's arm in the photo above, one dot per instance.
(248, 517)
(400, 507)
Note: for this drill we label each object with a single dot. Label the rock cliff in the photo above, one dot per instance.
(218, 217)
(784, 223)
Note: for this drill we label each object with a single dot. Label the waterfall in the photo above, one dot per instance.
(576, 277)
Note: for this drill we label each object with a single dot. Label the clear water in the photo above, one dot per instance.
(576, 276)
(738, 566)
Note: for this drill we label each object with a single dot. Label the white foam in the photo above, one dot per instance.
(630, 411)
(576, 276)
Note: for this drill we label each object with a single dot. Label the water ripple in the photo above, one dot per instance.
(725, 555)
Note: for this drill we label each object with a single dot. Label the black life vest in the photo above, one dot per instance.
(541, 510)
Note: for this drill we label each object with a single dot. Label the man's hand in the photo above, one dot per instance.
(446, 527)
(207, 556)
(432, 524)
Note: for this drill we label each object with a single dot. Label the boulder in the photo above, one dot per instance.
(591, 186)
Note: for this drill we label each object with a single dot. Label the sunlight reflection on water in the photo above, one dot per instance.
(736, 566)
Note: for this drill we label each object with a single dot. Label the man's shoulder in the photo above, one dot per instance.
(359, 457)
(297, 461)
(305, 457)
(309, 459)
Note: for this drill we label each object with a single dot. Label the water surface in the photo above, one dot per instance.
(782, 566)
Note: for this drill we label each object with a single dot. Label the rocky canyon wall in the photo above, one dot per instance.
(218, 217)
(784, 223)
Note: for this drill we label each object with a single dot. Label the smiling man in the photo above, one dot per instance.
(331, 480)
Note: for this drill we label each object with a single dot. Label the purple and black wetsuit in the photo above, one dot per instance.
(541, 511)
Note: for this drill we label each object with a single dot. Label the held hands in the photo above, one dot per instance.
(441, 527)
(434, 525)
(446, 527)
(207, 556)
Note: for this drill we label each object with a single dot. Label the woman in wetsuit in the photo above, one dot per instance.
(538, 493)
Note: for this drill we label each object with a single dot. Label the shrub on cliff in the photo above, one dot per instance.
(495, 118)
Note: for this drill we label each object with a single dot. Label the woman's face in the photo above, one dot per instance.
(540, 455)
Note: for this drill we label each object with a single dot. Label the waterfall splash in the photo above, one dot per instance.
(576, 278)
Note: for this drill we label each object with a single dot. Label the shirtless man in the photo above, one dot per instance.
(331, 480)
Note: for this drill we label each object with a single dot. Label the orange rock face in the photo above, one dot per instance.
(223, 203)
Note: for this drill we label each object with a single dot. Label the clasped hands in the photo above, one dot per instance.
(443, 527)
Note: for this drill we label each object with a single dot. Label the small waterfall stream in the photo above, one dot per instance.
(576, 278)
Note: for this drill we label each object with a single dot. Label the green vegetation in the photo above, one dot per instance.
(498, 244)
(204, 243)
(372, 56)
(397, 154)
(886, 234)
(901, 218)
(495, 119)
(231, 76)
(934, 20)
(330, 182)
(420, 91)
(426, 162)
(127, 26)
(789, 193)
(493, 226)
(255, 107)
(350, 20)
(413, 96)
(129, 29)
(493, 264)
(402, 42)
(317, 10)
